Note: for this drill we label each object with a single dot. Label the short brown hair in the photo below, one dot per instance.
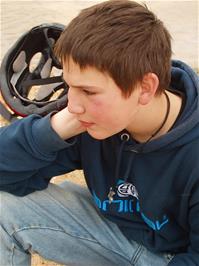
(122, 38)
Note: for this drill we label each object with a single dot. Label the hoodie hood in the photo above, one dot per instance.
(186, 129)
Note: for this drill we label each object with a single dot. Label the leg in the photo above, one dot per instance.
(60, 224)
(63, 225)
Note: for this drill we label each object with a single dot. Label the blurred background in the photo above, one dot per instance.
(180, 17)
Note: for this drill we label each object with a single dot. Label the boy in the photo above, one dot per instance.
(132, 125)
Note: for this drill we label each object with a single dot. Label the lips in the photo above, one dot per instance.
(86, 124)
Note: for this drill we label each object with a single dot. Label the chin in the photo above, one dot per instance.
(99, 135)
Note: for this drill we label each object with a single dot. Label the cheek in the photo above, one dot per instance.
(99, 110)
(108, 113)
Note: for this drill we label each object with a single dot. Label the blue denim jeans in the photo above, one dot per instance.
(62, 224)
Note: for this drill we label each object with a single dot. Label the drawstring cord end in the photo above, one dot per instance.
(110, 195)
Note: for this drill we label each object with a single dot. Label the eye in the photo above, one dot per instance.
(89, 92)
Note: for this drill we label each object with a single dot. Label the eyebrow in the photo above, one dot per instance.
(83, 86)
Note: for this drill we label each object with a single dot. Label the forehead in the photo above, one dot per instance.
(91, 76)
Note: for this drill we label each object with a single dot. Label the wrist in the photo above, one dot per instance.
(66, 124)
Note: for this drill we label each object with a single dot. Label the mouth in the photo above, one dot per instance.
(86, 124)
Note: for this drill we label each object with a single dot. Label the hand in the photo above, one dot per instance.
(66, 124)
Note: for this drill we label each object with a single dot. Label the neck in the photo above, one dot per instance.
(152, 115)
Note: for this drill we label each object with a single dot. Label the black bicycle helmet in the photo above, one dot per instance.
(29, 65)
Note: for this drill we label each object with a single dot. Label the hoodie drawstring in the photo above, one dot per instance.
(125, 138)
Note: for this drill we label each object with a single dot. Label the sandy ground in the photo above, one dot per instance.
(180, 17)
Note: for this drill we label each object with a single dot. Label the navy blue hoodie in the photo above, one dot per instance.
(155, 186)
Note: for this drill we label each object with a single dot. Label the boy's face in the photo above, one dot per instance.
(97, 101)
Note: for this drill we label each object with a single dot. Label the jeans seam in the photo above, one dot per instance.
(12, 254)
(53, 229)
(137, 254)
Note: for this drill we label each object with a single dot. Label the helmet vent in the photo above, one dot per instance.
(45, 72)
(20, 62)
(35, 61)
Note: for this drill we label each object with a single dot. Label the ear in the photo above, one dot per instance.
(148, 86)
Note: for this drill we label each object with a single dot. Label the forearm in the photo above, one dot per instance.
(29, 145)
(191, 257)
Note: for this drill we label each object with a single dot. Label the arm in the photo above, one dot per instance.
(31, 151)
(191, 258)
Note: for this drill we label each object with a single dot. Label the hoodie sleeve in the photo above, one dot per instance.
(191, 258)
(31, 153)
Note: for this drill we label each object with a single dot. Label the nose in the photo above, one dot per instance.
(75, 105)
